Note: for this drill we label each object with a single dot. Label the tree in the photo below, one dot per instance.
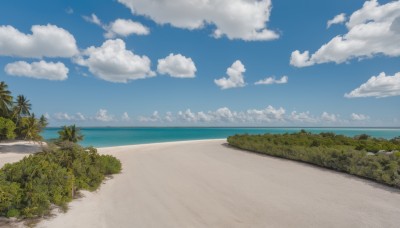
(70, 133)
(7, 128)
(6, 100)
(30, 128)
(22, 107)
(43, 122)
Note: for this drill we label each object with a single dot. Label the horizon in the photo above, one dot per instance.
(254, 64)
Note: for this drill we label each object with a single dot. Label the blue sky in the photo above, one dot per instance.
(109, 85)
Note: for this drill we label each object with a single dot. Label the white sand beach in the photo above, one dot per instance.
(207, 184)
(12, 151)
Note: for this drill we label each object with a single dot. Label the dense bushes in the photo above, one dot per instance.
(29, 187)
(7, 128)
(332, 151)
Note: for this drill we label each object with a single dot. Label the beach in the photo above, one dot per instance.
(206, 183)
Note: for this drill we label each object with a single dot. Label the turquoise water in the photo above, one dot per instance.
(114, 136)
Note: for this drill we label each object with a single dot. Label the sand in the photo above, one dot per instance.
(12, 151)
(207, 184)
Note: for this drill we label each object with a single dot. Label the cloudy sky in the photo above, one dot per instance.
(205, 63)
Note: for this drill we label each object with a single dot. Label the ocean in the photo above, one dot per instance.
(118, 136)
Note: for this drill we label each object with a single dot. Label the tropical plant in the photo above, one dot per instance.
(7, 128)
(43, 122)
(22, 107)
(6, 100)
(30, 128)
(364, 156)
(70, 133)
(29, 187)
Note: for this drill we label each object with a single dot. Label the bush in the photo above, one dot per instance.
(331, 151)
(29, 187)
(7, 128)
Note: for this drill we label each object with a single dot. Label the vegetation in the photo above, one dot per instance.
(29, 187)
(364, 156)
(16, 119)
(70, 134)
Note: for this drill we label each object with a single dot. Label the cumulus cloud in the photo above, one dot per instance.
(378, 86)
(359, 117)
(113, 62)
(62, 116)
(103, 116)
(119, 27)
(235, 77)
(221, 115)
(372, 30)
(273, 80)
(124, 28)
(177, 66)
(338, 19)
(39, 70)
(155, 117)
(302, 117)
(125, 117)
(45, 41)
(328, 117)
(235, 19)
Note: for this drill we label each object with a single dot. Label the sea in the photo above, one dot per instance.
(119, 136)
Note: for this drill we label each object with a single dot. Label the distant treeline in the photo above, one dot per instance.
(362, 155)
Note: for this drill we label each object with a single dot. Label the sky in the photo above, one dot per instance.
(205, 63)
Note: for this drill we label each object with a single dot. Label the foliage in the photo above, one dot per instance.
(332, 151)
(6, 100)
(7, 128)
(27, 127)
(29, 187)
(30, 128)
(70, 134)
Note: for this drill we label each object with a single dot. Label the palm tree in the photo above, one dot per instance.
(70, 133)
(43, 122)
(22, 107)
(31, 128)
(6, 100)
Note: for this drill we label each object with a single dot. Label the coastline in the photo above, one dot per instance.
(204, 183)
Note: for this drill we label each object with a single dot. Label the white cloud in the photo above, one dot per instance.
(235, 76)
(69, 10)
(328, 117)
(302, 117)
(359, 117)
(119, 27)
(103, 116)
(125, 117)
(378, 86)
(153, 118)
(61, 116)
(113, 62)
(45, 41)
(39, 70)
(372, 30)
(272, 80)
(236, 19)
(93, 19)
(338, 19)
(124, 28)
(177, 66)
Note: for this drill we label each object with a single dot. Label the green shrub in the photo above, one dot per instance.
(7, 128)
(332, 151)
(29, 187)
